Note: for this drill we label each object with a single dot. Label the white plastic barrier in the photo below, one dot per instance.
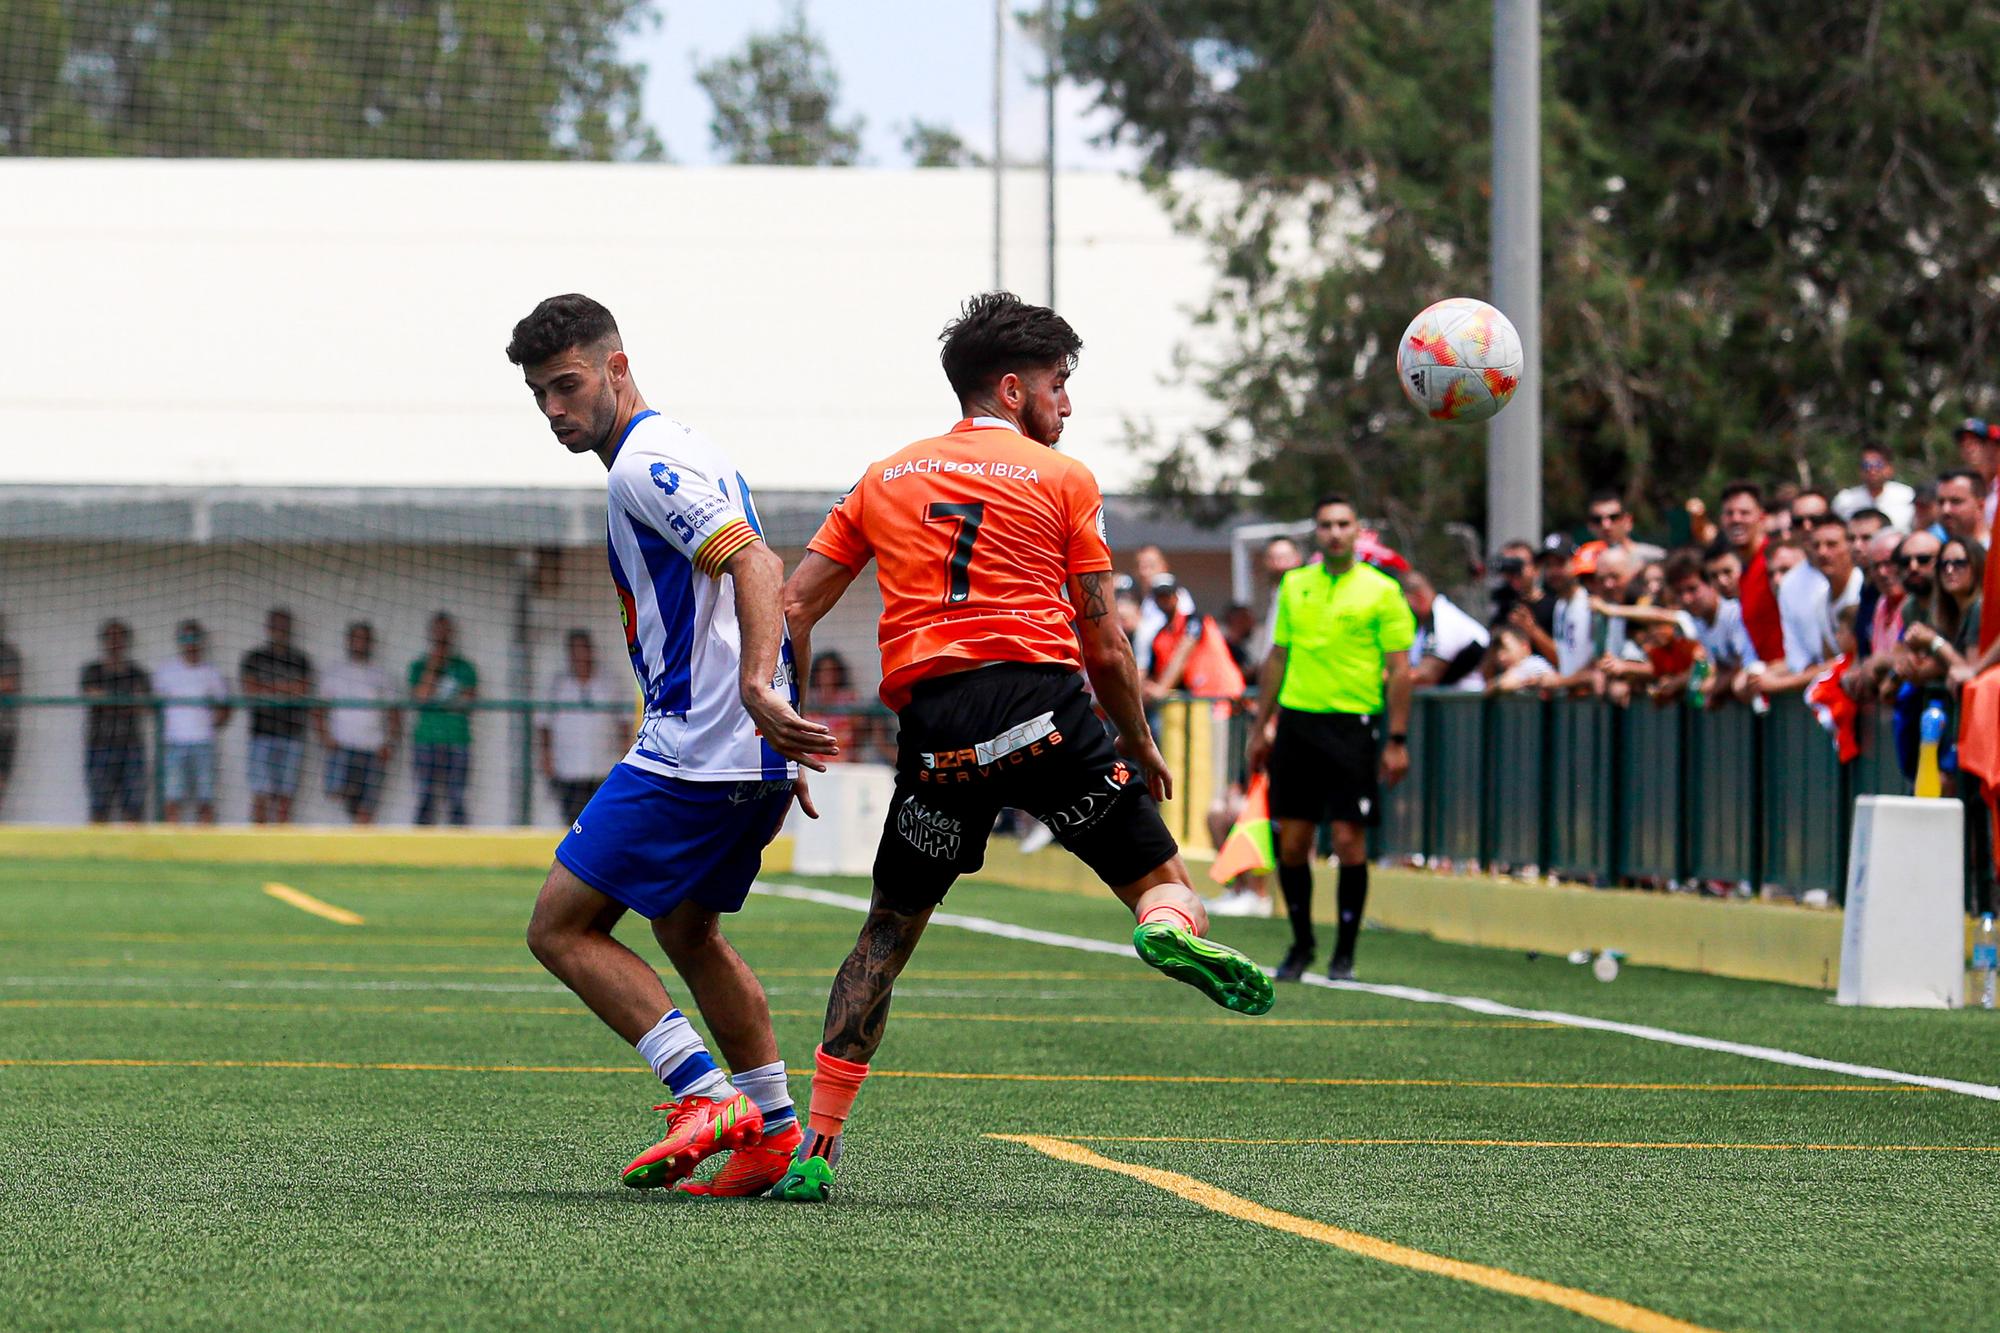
(853, 800)
(1903, 946)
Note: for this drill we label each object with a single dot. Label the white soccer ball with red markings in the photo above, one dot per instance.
(1459, 360)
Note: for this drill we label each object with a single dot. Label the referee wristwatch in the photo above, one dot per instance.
(1399, 738)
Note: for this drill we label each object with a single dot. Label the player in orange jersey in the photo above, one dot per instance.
(977, 535)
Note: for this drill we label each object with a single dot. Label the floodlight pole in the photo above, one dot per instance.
(1052, 44)
(1514, 438)
(999, 110)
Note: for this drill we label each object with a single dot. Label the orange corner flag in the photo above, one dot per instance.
(1247, 849)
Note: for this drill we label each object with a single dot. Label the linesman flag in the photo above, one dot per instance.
(1247, 850)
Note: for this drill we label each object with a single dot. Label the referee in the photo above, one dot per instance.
(1342, 627)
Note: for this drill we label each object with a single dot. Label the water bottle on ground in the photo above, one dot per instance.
(1986, 959)
(1930, 733)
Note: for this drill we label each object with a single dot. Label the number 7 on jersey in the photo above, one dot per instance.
(965, 520)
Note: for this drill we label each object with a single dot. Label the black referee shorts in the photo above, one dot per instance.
(1018, 735)
(1326, 766)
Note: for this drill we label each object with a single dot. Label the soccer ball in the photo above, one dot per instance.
(1459, 360)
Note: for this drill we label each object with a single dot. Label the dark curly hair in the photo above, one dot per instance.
(997, 333)
(558, 324)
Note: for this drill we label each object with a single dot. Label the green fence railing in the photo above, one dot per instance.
(1611, 795)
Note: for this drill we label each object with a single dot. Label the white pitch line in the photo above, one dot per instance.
(1473, 1003)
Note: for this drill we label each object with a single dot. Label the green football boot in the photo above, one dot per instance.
(810, 1177)
(1216, 970)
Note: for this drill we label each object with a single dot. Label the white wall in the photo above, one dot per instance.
(54, 595)
(281, 323)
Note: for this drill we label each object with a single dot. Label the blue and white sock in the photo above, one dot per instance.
(680, 1058)
(766, 1086)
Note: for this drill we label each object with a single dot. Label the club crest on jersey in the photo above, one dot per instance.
(665, 478)
(628, 615)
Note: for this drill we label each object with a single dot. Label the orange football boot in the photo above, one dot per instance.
(697, 1128)
(751, 1170)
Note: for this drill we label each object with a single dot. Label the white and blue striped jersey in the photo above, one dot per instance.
(678, 510)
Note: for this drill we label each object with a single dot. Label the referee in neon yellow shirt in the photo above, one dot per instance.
(1340, 648)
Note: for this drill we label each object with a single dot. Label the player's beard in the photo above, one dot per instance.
(1043, 429)
(596, 436)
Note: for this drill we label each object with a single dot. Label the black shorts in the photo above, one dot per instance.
(975, 742)
(1326, 766)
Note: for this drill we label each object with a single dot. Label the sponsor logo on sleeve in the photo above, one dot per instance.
(665, 478)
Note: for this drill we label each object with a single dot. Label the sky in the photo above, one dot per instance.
(898, 60)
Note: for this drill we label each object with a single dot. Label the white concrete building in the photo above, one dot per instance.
(342, 323)
(233, 386)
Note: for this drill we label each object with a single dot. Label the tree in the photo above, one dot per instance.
(327, 78)
(1769, 233)
(932, 145)
(774, 101)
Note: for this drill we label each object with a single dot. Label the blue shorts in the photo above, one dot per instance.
(187, 772)
(274, 765)
(653, 842)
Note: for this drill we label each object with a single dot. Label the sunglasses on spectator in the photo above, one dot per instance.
(1916, 561)
(1599, 520)
(1954, 564)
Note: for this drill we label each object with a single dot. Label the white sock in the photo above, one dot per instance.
(766, 1086)
(680, 1059)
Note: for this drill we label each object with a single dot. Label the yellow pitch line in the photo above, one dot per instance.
(206, 965)
(319, 1064)
(524, 969)
(1280, 1081)
(310, 965)
(951, 1076)
(1604, 1309)
(1539, 1143)
(248, 939)
(276, 1007)
(305, 902)
(1242, 1024)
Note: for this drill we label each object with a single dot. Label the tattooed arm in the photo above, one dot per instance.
(857, 1009)
(1107, 657)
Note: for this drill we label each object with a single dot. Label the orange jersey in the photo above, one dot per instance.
(974, 536)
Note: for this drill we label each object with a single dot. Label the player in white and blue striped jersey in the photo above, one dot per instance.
(677, 831)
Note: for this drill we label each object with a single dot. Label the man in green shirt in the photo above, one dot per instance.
(443, 684)
(1340, 647)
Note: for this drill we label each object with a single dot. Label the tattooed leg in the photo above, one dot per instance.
(857, 1010)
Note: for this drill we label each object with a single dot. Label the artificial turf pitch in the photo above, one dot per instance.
(218, 1110)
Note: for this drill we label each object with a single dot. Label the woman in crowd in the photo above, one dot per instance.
(1942, 652)
(1952, 635)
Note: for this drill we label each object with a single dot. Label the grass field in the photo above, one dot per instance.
(219, 1110)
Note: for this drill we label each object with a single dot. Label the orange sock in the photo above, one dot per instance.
(836, 1083)
(1168, 914)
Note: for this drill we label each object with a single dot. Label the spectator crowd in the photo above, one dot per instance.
(157, 731)
(1870, 597)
